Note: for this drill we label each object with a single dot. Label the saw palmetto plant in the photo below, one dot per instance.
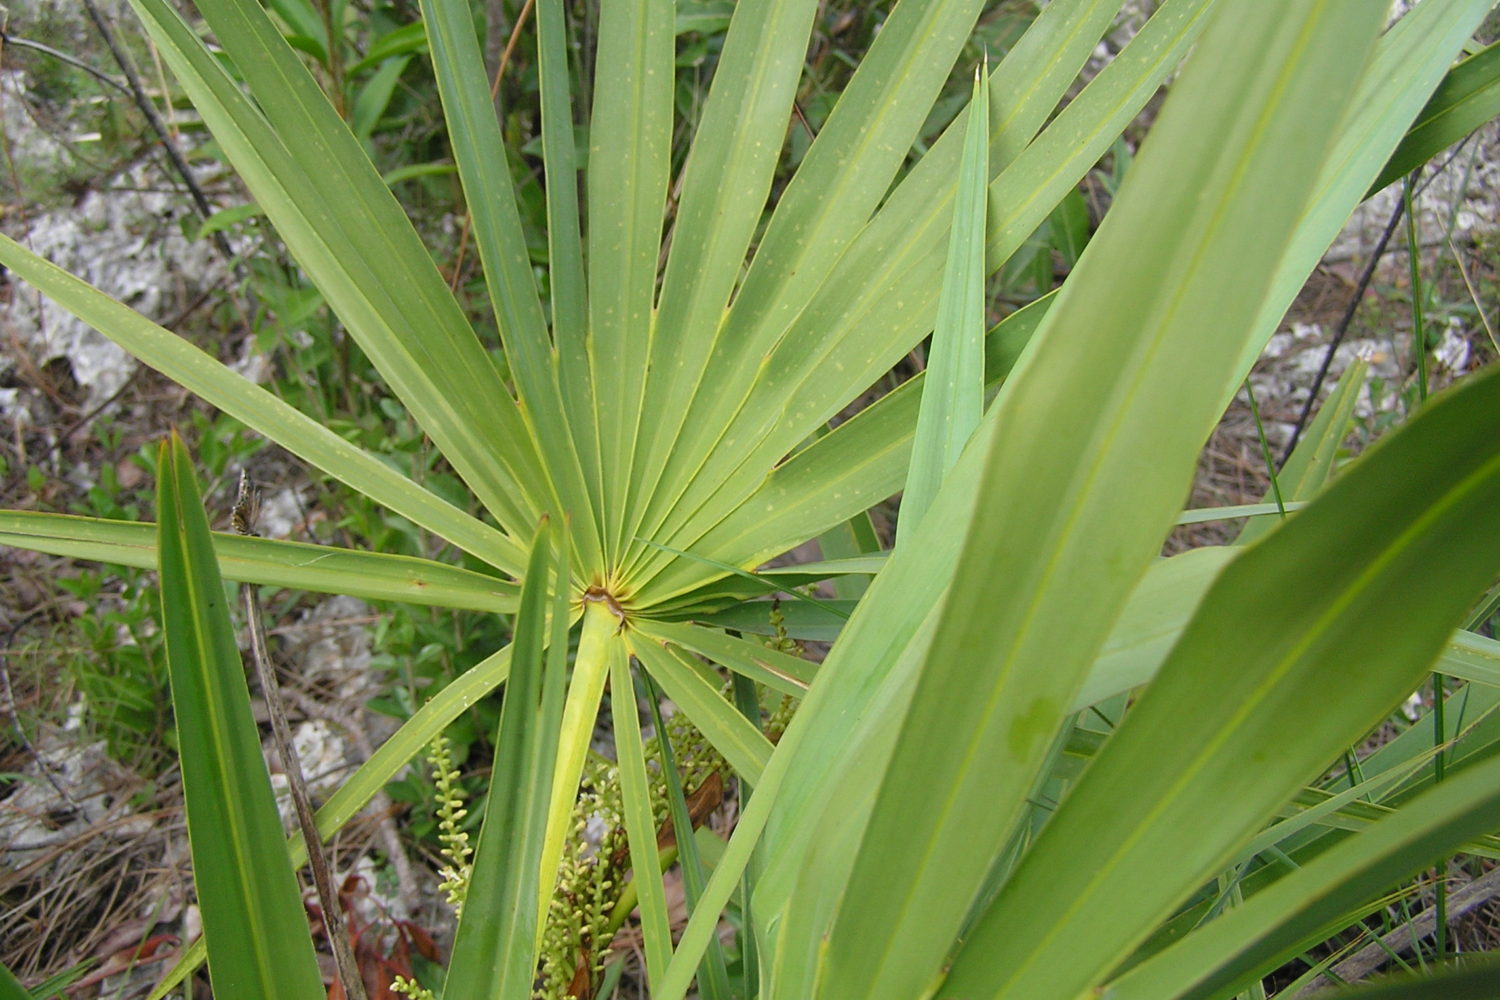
(965, 804)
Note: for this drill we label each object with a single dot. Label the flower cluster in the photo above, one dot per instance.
(411, 988)
(450, 813)
(593, 897)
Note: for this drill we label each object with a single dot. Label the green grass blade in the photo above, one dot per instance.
(1468, 96)
(640, 822)
(409, 39)
(1353, 807)
(1351, 641)
(734, 736)
(260, 410)
(257, 934)
(953, 390)
(494, 948)
(1474, 658)
(375, 97)
(1161, 604)
(54, 986)
(1311, 464)
(1472, 718)
(296, 565)
(348, 232)
(1221, 180)
(1263, 511)
(853, 537)
(630, 147)
(1318, 900)
(307, 27)
(1164, 602)
(868, 562)
(474, 132)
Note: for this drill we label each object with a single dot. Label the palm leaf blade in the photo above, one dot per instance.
(252, 909)
(1037, 532)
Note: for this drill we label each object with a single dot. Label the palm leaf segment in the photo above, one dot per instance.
(663, 417)
(659, 401)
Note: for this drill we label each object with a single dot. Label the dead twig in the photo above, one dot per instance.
(147, 108)
(7, 38)
(381, 804)
(243, 519)
(1377, 953)
(15, 713)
